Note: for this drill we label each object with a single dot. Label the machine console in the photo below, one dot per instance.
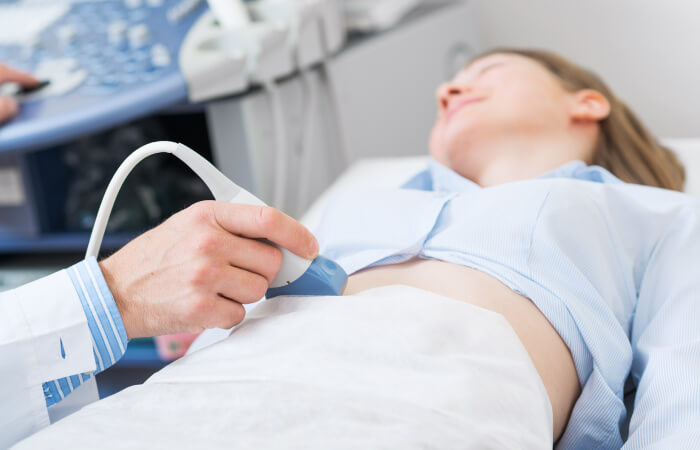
(106, 61)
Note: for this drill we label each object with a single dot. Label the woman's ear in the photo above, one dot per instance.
(589, 105)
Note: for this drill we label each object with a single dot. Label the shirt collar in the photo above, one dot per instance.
(437, 177)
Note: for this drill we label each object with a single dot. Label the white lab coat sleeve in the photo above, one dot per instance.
(44, 335)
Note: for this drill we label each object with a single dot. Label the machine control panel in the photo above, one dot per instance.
(108, 61)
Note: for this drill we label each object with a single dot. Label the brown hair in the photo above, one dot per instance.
(625, 147)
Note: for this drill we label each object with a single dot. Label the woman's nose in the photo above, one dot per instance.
(447, 91)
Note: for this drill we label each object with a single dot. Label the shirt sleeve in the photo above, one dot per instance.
(666, 341)
(106, 327)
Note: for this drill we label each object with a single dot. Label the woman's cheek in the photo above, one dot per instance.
(436, 144)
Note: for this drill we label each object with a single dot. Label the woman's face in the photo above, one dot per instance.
(495, 104)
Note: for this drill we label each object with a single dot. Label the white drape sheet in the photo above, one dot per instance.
(391, 367)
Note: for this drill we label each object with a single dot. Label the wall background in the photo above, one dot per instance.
(648, 51)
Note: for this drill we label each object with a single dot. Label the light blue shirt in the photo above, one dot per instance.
(615, 267)
(106, 327)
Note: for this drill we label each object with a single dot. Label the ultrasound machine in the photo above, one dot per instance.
(105, 63)
(247, 83)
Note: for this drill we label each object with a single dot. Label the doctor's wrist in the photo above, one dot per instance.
(116, 285)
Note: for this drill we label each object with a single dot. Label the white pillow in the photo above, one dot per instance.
(394, 171)
(366, 173)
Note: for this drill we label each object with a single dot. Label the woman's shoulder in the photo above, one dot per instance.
(595, 183)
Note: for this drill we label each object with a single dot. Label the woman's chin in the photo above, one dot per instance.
(439, 155)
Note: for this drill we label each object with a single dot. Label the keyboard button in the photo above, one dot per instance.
(160, 56)
(67, 34)
(139, 35)
(116, 32)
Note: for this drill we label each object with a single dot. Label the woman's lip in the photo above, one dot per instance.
(462, 104)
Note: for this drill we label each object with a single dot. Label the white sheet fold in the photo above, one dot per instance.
(392, 367)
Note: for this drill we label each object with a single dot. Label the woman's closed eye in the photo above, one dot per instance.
(490, 67)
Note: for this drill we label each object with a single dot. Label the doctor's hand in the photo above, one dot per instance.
(8, 105)
(196, 269)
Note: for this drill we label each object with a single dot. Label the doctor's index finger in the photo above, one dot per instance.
(8, 74)
(8, 108)
(265, 222)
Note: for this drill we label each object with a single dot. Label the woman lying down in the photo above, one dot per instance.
(500, 299)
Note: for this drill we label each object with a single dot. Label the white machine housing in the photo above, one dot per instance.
(221, 57)
(376, 97)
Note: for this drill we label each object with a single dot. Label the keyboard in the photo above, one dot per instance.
(108, 62)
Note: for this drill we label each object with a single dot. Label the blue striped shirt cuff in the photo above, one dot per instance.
(106, 327)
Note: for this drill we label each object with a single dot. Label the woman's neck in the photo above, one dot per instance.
(507, 160)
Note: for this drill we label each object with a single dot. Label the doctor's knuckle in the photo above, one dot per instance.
(257, 287)
(235, 316)
(200, 212)
(198, 308)
(267, 219)
(206, 243)
(199, 274)
(274, 259)
(271, 261)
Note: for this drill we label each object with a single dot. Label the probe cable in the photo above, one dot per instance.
(280, 138)
(221, 187)
(335, 103)
(306, 140)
